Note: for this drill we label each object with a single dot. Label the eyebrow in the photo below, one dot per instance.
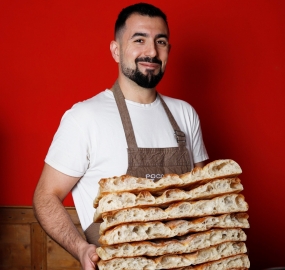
(139, 34)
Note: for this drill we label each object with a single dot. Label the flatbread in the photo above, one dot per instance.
(234, 220)
(219, 205)
(151, 230)
(238, 262)
(186, 244)
(117, 201)
(223, 168)
(173, 261)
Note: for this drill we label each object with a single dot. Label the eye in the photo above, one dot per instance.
(162, 42)
(139, 40)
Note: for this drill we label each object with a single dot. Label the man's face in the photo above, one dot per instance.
(144, 50)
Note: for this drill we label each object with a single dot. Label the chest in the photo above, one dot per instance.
(107, 137)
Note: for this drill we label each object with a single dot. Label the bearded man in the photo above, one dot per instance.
(128, 129)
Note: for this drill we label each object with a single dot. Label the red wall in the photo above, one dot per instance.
(227, 60)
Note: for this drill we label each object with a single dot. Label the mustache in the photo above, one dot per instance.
(149, 60)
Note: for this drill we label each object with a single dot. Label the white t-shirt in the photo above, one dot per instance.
(90, 142)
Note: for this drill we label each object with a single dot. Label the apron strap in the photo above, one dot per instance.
(127, 124)
(180, 135)
(125, 116)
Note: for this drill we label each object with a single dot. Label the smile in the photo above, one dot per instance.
(149, 65)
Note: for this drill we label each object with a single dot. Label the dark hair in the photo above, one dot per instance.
(143, 9)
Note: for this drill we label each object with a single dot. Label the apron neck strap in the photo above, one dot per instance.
(125, 116)
(127, 124)
(180, 135)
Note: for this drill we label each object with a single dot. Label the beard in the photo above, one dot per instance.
(149, 80)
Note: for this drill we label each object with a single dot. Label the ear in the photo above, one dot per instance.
(114, 48)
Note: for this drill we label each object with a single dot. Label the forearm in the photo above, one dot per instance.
(200, 164)
(56, 221)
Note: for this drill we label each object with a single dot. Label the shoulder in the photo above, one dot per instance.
(178, 105)
(93, 102)
(90, 107)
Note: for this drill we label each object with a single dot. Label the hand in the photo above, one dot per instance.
(88, 257)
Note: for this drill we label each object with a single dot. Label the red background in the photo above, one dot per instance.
(227, 60)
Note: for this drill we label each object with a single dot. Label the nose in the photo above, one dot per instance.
(150, 49)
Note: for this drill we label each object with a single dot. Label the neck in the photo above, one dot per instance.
(135, 93)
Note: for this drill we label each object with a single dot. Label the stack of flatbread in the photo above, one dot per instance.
(189, 221)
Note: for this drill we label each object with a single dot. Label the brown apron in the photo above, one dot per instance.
(147, 162)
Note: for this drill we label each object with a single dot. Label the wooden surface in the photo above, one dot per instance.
(24, 245)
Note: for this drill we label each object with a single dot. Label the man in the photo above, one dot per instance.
(128, 129)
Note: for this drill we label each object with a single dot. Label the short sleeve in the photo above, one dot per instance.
(199, 150)
(68, 152)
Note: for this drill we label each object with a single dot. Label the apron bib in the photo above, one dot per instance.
(147, 162)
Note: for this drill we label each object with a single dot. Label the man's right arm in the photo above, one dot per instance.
(52, 188)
